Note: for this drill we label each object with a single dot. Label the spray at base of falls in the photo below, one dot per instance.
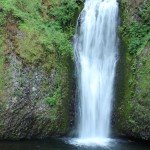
(96, 51)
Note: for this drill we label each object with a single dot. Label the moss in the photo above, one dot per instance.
(3, 72)
(30, 51)
(40, 34)
(60, 99)
(2, 56)
(133, 107)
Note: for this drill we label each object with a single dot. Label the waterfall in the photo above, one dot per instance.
(96, 50)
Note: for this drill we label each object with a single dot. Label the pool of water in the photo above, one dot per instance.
(67, 144)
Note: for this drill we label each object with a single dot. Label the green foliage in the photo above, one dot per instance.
(43, 37)
(64, 11)
(54, 100)
(144, 13)
(136, 33)
(30, 51)
(143, 71)
(134, 108)
(123, 4)
(45, 31)
(2, 19)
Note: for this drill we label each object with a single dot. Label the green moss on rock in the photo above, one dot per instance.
(133, 109)
(37, 52)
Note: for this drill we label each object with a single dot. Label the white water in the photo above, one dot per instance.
(96, 56)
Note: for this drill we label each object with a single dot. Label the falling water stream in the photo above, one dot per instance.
(96, 51)
(96, 56)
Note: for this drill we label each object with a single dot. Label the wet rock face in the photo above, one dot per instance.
(37, 67)
(29, 83)
(27, 112)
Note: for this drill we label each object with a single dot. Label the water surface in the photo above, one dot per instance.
(59, 144)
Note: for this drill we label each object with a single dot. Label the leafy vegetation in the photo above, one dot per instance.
(54, 99)
(65, 14)
(40, 34)
(44, 24)
(134, 31)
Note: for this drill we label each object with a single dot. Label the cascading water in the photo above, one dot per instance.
(96, 51)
